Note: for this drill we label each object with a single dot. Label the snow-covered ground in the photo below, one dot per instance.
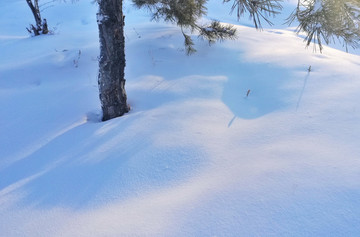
(195, 156)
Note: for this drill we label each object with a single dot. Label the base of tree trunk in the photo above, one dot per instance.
(114, 112)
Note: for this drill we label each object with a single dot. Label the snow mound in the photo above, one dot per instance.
(253, 137)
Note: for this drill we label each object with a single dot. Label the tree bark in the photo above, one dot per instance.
(36, 13)
(41, 25)
(112, 59)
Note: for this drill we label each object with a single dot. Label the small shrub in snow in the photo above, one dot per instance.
(40, 26)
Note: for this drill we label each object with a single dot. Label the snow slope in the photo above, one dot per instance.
(195, 156)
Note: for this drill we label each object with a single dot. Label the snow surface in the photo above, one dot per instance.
(195, 156)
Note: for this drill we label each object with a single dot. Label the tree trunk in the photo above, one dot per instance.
(36, 13)
(112, 59)
(41, 25)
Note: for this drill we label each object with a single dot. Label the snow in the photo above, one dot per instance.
(195, 156)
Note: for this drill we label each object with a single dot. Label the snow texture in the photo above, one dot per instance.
(196, 155)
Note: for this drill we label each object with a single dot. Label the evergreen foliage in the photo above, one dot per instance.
(258, 9)
(186, 14)
(328, 20)
(321, 20)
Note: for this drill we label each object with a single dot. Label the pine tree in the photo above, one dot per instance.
(320, 19)
(111, 78)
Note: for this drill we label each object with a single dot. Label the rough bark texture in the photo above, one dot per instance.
(41, 25)
(112, 59)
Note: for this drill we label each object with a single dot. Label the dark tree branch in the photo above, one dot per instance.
(41, 25)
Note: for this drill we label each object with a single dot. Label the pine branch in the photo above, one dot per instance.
(258, 10)
(327, 20)
(217, 32)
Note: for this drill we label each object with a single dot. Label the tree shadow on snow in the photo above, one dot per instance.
(56, 173)
(92, 163)
(257, 92)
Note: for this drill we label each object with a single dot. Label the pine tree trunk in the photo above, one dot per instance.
(112, 59)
